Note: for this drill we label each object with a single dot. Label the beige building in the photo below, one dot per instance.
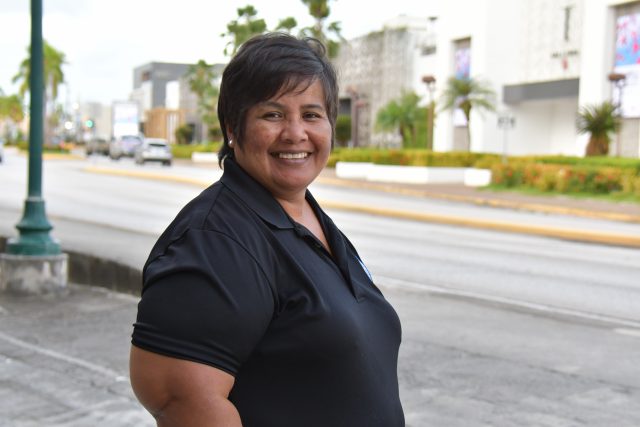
(376, 68)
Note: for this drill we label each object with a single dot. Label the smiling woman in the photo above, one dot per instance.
(256, 310)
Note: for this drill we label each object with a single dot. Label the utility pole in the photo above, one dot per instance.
(618, 80)
(353, 93)
(430, 81)
(34, 262)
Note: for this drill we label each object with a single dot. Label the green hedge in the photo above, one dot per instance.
(184, 151)
(589, 175)
(616, 162)
(567, 178)
(412, 157)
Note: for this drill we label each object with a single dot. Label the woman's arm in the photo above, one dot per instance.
(181, 393)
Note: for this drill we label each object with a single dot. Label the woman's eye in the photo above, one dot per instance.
(312, 115)
(272, 115)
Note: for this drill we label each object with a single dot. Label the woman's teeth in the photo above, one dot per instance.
(292, 155)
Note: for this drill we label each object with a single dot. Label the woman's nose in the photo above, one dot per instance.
(294, 130)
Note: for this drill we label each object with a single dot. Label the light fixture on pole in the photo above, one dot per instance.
(353, 93)
(618, 80)
(430, 81)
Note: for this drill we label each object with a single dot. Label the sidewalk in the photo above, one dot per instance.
(64, 360)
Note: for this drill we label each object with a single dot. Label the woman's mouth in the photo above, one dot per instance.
(291, 156)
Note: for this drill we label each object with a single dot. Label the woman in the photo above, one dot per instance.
(256, 310)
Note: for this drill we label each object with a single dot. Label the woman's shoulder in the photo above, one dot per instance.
(216, 216)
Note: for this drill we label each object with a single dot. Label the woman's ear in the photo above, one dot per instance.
(230, 134)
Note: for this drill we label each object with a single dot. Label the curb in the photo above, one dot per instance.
(587, 236)
(480, 201)
(536, 230)
(95, 271)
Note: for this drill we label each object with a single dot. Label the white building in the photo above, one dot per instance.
(543, 58)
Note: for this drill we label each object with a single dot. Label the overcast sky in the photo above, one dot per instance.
(103, 40)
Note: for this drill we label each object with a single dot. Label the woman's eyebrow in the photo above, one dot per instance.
(275, 104)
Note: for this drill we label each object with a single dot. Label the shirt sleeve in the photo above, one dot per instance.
(205, 299)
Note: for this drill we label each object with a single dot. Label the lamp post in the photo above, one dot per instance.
(618, 80)
(33, 262)
(430, 81)
(353, 93)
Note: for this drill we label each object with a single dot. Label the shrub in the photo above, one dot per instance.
(343, 129)
(185, 151)
(565, 178)
(184, 134)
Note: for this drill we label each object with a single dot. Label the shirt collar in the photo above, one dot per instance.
(254, 195)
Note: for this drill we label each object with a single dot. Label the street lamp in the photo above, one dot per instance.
(430, 81)
(353, 93)
(618, 80)
(33, 262)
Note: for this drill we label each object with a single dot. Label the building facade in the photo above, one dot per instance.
(378, 67)
(544, 59)
(155, 93)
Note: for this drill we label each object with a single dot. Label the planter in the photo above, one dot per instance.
(413, 174)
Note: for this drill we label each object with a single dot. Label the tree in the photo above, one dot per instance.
(53, 74)
(320, 11)
(53, 78)
(243, 28)
(287, 24)
(11, 108)
(467, 94)
(201, 78)
(401, 115)
(599, 121)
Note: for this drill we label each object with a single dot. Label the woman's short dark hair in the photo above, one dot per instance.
(267, 65)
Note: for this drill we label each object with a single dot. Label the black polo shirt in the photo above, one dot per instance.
(235, 283)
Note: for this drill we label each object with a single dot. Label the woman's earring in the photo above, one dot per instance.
(231, 143)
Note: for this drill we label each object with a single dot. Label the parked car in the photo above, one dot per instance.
(1, 150)
(97, 145)
(125, 146)
(153, 150)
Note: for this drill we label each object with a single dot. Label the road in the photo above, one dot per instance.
(571, 277)
(562, 351)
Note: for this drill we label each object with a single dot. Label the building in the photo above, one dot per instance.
(378, 67)
(543, 58)
(156, 96)
(166, 100)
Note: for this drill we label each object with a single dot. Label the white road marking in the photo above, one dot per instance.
(116, 376)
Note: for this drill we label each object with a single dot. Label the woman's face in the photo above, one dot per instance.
(287, 141)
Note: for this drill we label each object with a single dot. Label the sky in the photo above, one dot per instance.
(104, 40)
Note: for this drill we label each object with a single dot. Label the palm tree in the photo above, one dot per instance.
(467, 94)
(53, 78)
(598, 120)
(201, 78)
(320, 11)
(243, 28)
(401, 115)
(53, 74)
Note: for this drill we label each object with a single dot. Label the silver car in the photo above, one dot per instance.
(153, 150)
(125, 146)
